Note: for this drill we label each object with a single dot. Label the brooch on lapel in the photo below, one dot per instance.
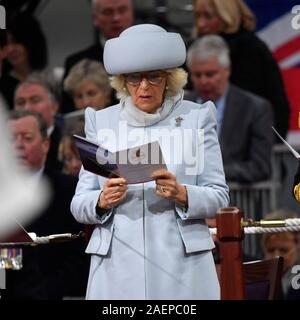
(178, 121)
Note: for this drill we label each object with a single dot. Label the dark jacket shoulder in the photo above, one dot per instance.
(94, 52)
(254, 100)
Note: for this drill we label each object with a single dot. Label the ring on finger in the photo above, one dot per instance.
(162, 189)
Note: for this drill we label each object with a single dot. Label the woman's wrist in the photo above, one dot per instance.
(100, 209)
(182, 198)
(102, 203)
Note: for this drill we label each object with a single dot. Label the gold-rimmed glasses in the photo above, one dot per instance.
(153, 77)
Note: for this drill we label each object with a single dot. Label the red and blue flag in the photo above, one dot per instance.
(278, 25)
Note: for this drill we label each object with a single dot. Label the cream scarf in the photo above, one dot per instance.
(138, 118)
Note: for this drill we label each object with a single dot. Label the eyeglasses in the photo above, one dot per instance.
(153, 77)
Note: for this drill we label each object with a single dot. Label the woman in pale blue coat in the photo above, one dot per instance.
(150, 239)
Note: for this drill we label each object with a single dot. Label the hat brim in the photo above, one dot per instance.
(144, 52)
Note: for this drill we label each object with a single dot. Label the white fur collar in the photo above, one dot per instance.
(138, 118)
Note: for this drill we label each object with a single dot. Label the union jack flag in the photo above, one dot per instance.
(278, 25)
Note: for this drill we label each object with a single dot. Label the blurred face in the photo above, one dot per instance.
(90, 94)
(31, 148)
(17, 54)
(206, 18)
(111, 17)
(210, 78)
(71, 160)
(282, 247)
(36, 98)
(147, 89)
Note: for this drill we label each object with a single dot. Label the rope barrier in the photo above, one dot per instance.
(290, 225)
(55, 238)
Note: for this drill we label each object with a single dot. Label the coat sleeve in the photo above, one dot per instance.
(211, 191)
(84, 202)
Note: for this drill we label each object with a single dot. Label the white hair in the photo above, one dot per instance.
(207, 47)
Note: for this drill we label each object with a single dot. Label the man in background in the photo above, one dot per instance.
(110, 18)
(37, 94)
(244, 120)
(17, 196)
(50, 271)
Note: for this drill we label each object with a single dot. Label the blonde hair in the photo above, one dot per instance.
(176, 80)
(87, 70)
(233, 13)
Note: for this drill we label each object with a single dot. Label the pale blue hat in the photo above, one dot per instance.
(143, 47)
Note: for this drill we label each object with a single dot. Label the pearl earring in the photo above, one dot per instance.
(167, 88)
(124, 88)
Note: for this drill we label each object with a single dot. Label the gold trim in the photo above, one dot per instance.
(297, 192)
(263, 223)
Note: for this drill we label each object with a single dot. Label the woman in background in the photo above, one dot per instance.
(88, 84)
(26, 51)
(253, 67)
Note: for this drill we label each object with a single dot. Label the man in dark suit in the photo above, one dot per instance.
(37, 94)
(50, 271)
(110, 17)
(244, 119)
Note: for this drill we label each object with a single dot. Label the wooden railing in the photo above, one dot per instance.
(230, 236)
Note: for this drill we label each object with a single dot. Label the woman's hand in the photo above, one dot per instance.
(114, 191)
(168, 187)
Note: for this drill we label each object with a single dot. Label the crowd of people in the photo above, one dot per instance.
(150, 240)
